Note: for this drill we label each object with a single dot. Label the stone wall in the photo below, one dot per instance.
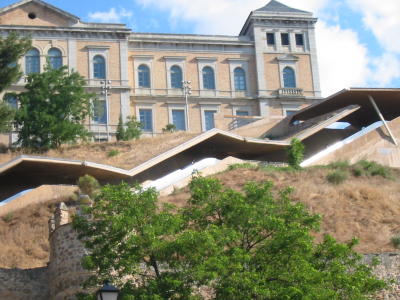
(30, 284)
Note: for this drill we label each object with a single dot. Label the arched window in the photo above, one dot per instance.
(240, 79)
(208, 78)
(99, 67)
(289, 79)
(55, 58)
(144, 76)
(11, 101)
(176, 77)
(32, 61)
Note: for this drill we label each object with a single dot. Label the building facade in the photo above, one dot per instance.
(196, 82)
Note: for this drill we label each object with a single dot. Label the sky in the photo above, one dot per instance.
(358, 41)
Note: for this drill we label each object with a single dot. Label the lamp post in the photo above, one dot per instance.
(187, 90)
(107, 292)
(106, 91)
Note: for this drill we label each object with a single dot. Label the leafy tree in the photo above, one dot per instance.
(169, 128)
(12, 48)
(254, 244)
(52, 109)
(132, 129)
(295, 153)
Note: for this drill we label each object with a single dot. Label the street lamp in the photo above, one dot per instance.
(107, 292)
(187, 91)
(106, 91)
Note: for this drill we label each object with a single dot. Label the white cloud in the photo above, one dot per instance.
(382, 18)
(343, 60)
(386, 68)
(111, 16)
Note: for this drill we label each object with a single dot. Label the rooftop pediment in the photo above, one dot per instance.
(36, 13)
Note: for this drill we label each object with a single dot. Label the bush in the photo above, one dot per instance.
(112, 153)
(341, 164)
(396, 242)
(88, 185)
(371, 168)
(8, 217)
(120, 135)
(131, 130)
(245, 165)
(295, 153)
(336, 177)
(169, 128)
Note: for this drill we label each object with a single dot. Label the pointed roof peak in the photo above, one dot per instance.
(276, 7)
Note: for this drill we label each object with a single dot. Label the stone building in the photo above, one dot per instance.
(269, 70)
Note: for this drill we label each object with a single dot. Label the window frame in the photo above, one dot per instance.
(285, 39)
(146, 130)
(52, 58)
(300, 36)
(285, 78)
(269, 36)
(236, 83)
(147, 75)
(104, 67)
(37, 63)
(208, 78)
(176, 83)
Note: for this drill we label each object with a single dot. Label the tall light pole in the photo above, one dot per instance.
(106, 91)
(187, 90)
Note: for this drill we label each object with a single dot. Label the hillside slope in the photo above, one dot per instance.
(366, 207)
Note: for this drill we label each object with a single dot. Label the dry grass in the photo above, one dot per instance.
(24, 237)
(130, 154)
(364, 207)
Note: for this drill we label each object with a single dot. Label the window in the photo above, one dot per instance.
(146, 118)
(99, 67)
(178, 119)
(242, 122)
(144, 76)
(100, 112)
(285, 39)
(240, 79)
(11, 101)
(289, 80)
(208, 78)
(55, 58)
(270, 38)
(299, 39)
(289, 112)
(32, 61)
(176, 77)
(209, 122)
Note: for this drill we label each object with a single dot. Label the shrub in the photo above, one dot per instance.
(169, 128)
(336, 177)
(341, 164)
(295, 153)
(396, 241)
(120, 130)
(8, 217)
(131, 130)
(371, 168)
(245, 165)
(112, 153)
(88, 185)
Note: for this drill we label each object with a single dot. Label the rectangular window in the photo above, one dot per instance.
(270, 38)
(299, 39)
(209, 119)
(289, 112)
(146, 118)
(100, 112)
(285, 39)
(178, 119)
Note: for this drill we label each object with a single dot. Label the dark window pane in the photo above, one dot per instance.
(55, 58)
(209, 119)
(285, 39)
(176, 77)
(99, 67)
(11, 101)
(270, 38)
(299, 40)
(144, 76)
(240, 79)
(208, 78)
(146, 118)
(100, 112)
(242, 122)
(178, 119)
(32, 61)
(289, 79)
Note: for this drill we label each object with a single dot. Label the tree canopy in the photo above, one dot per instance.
(249, 244)
(12, 48)
(53, 109)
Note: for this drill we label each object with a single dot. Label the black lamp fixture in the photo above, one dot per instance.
(107, 292)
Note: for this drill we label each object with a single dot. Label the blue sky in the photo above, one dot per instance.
(357, 40)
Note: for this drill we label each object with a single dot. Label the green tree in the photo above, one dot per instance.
(254, 244)
(131, 130)
(12, 48)
(295, 153)
(52, 109)
(120, 130)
